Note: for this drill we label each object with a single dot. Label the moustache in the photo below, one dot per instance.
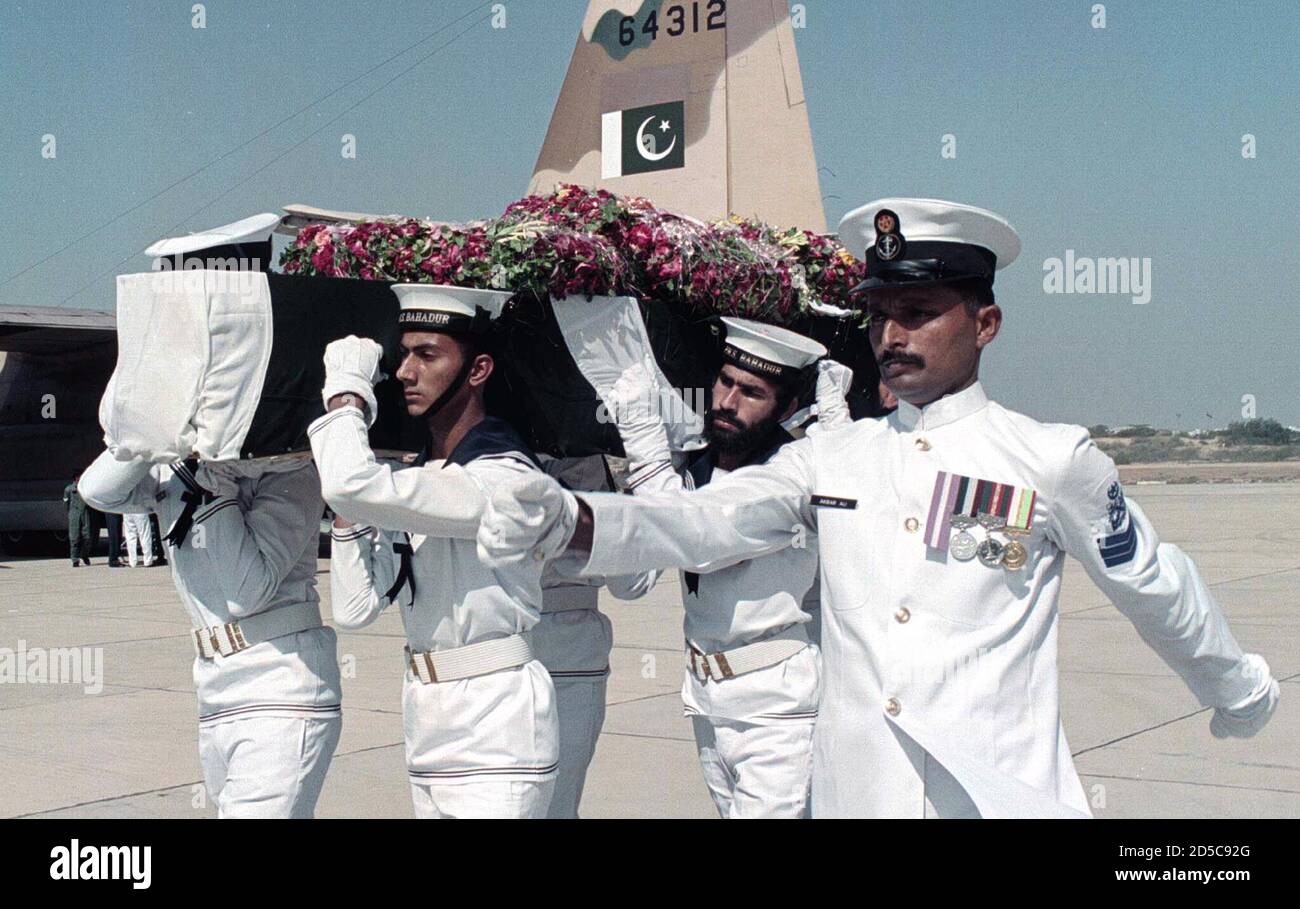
(729, 416)
(900, 357)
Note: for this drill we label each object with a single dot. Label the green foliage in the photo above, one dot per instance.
(1135, 432)
(1257, 432)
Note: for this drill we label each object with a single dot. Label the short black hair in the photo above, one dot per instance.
(472, 344)
(976, 293)
(798, 385)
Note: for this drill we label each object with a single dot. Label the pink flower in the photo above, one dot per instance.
(323, 258)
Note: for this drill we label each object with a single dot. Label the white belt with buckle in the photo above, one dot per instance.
(727, 664)
(431, 666)
(233, 637)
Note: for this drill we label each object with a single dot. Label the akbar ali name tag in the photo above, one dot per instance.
(833, 502)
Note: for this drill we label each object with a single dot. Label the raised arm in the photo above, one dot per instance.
(252, 551)
(833, 383)
(1158, 588)
(437, 501)
(651, 469)
(121, 487)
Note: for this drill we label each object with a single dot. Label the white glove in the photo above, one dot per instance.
(222, 483)
(1248, 716)
(833, 383)
(633, 403)
(352, 365)
(530, 518)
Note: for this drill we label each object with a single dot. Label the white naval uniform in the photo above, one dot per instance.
(753, 732)
(484, 746)
(573, 639)
(940, 691)
(269, 716)
(139, 535)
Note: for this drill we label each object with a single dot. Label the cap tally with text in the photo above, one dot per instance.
(243, 245)
(441, 307)
(768, 350)
(927, 241)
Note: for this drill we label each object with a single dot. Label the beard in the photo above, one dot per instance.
(738, 441)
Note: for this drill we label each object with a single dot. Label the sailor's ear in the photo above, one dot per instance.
(481, 371)
(988, 321)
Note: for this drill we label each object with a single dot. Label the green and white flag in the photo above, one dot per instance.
(642, 139)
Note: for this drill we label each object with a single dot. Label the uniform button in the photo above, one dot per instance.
(892, 707)
(902, 615)
(912, 525)
(538, 555)
(922, 444)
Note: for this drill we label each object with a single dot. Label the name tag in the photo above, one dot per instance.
(833, 502)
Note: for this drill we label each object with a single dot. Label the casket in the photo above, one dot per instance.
(228, 365)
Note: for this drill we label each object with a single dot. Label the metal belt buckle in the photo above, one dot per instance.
(695, 666)
(724, 670)
(428, 667)
(202, 639)
(228, 639)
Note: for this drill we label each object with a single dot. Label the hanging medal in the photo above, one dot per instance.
(1014, 554)
(963, 544)
(1020, 518)
(990, 549)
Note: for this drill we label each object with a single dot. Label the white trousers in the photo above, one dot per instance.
(755, 771)
(139, 532)
(267, 767)
(497, 799)
(580, 704)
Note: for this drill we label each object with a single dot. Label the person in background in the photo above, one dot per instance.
(139, 534)
(79, 524)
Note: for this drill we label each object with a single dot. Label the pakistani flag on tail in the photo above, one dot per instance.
(642, 139)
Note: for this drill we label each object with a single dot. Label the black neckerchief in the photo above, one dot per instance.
(490, 436)
(700, 465)
(193, 496)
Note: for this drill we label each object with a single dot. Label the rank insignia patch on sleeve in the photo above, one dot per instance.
(1120, 547)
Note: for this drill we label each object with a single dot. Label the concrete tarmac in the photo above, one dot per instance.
(1141, 741)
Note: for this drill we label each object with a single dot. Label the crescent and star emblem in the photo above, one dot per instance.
(641, 143)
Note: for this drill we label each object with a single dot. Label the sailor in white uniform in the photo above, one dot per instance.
(242, 542)
(943, 532)
(752, 671)
(574, 639)
(479, 708)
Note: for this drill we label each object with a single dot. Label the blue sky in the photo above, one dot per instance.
(1123, 141)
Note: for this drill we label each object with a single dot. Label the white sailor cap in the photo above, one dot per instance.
(224, 241)
(927, 241)
(442, 307)
(768, 350)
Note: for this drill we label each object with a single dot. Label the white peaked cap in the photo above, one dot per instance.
(769, 349)
(256, 229)
(931, 221)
